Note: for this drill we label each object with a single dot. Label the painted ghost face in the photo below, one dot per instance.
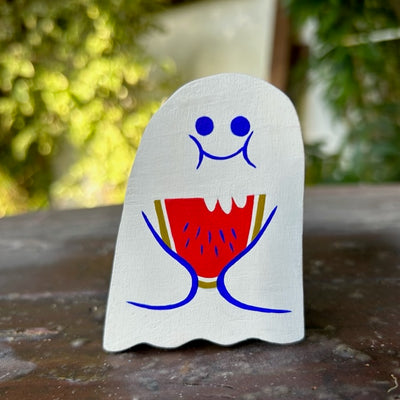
(240, 126)
(209, 245)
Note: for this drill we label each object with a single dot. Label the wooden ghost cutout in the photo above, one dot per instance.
(210, 240)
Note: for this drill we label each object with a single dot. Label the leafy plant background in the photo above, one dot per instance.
(77, 90)
(357, 56)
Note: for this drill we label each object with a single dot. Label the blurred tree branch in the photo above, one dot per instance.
(356, 55)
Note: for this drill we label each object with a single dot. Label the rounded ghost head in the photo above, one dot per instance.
(221, 134)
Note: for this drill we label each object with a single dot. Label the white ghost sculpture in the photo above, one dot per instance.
(210, 240)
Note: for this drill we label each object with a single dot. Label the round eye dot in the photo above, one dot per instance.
(240, 126)
(204, 126)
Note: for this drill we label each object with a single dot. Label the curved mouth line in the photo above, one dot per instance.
(203, 153)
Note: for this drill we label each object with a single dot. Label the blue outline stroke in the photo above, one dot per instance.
(183, 262)
(221, 277)
(243, 150)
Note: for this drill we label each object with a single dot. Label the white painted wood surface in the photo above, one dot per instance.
(230, 141)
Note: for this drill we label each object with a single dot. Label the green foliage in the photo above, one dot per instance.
(359, 63)
(76, 91)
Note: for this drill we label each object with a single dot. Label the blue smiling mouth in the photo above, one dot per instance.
(203, 153)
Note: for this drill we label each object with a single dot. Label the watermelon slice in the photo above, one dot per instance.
(208, 243)
(208, 240)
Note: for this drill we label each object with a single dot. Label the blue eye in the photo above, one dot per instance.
(240, 126)
(204, 126)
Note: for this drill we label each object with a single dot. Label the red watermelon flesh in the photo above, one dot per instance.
(208, 240)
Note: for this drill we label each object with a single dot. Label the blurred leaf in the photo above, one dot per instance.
(362, 85)
(72, 76)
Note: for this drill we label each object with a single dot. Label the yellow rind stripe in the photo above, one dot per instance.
(259, 215)
(208, 285)
(161, 223)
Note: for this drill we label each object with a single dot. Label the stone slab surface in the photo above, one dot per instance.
(55, 269)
